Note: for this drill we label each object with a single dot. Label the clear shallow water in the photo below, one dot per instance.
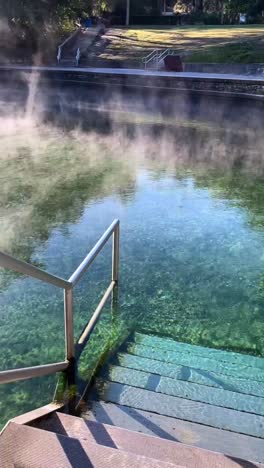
(191, 258)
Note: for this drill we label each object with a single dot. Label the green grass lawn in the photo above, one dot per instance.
(209, 44)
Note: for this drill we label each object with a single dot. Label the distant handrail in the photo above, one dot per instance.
(60, 47)
(156, 56)
(7, 261)
(165, 54)
(59, 54)
(150, 57)
(78, 56)
(146, 59)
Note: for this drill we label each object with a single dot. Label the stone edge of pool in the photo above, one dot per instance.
(223, 84)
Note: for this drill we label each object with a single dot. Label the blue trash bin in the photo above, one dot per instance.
(88, 23)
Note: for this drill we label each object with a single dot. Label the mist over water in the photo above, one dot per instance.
(184, 175)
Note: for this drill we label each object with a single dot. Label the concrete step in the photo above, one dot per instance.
(24, 446)
(189, 390)
(67, 60)
(140, 444)
(217, 354)
(67, 63)
(190, 374)
(187, 410)
(176, 430)
(243, 371)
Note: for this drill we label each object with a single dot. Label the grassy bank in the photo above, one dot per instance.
(210, 44)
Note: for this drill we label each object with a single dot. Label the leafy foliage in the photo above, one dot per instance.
(37, 15)
(226, 10)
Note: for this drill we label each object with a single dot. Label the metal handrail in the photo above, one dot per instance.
(12, 263)
(78, 56)
(146, 59)
(24, 373)
(59, 54)
(93, 321)
(76, 276)
(157, 56)
(150, 57)
(7, 261)
(164, 54)
(60, 47)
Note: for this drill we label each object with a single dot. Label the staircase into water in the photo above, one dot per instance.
(153, 384)
(155, 403)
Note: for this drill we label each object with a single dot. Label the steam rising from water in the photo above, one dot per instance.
(201, 273)
(50, 140)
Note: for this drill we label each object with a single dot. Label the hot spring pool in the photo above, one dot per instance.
(192, 238)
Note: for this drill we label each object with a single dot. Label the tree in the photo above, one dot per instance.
(198, 5)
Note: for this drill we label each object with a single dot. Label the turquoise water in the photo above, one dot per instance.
(191, 253)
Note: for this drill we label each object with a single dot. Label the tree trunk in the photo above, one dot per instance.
(160, 6)
(198, 5)
(220, 10)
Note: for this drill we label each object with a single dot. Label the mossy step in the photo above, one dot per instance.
(186, 373)
(187, 410)
(217, 354)
(197, 362)
(191, 391)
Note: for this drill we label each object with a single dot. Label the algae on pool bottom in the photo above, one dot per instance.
(191, 258)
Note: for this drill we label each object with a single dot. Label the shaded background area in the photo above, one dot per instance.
(201, 31)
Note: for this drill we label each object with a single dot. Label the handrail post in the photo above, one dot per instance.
(115, 273)
(115, 254)
(69, 344)
(59, 55)
(68, 320)
(78, 56)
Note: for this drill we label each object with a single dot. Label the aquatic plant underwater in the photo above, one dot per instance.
(192, 238)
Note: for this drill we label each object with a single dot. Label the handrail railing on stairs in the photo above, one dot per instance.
(157, 56)
(150, 57)
(78, 56)
(7, 261)
(165, 54)
(60, 47)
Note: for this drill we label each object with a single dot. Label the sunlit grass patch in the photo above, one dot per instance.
(222, 44)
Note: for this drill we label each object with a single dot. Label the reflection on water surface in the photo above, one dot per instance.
(190, 200)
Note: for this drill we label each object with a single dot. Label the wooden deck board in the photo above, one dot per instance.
(198, 435)
(217, 354)
(23, 446)
(197, 362)
(189, 390)
(138, 443)
(181, 408)
(190, 374)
